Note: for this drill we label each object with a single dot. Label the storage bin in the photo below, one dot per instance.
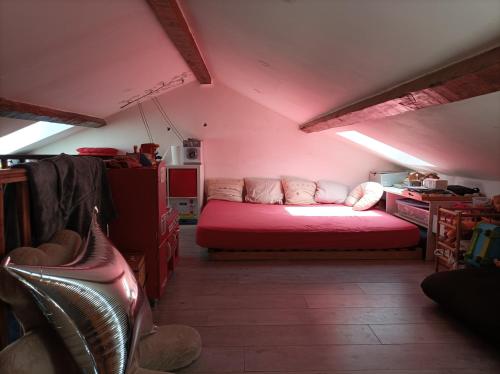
(409, 210)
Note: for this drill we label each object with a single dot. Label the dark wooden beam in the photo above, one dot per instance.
(14, 109)
(174, 23)
(468, 78)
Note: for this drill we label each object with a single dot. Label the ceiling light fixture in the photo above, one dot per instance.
(176, 81)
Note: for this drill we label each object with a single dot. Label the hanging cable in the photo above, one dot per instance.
(170, 125)
(145, 122)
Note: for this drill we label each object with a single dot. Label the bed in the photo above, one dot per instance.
(232, 230)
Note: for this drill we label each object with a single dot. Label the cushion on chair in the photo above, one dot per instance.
(39, 351)
(171, 347)
(472, 295)
(299, 191)
(263, 191)
(329, 192)
(365, 196)
(225, 189)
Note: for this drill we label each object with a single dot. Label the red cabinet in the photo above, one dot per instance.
(144, 223)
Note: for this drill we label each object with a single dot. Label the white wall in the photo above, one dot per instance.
(242, 138)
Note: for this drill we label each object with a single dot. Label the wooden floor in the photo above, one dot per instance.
(344, 317)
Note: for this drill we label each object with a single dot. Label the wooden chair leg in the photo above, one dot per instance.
(3, 307)
(3, 326)
(23, 207)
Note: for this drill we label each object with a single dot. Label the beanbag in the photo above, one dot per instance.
(263, 191)
(329, 192)
(473, 295)
(364, 196)
(299, 191)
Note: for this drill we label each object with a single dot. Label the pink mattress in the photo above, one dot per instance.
(230, 225)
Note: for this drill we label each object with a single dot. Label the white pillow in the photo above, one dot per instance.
(364, 196)
(298, 191)
(225, 189)
(263, 191)
(329, 192)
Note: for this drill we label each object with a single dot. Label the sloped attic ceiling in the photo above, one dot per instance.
(305, 57)
(83, 56)
(299, 58)
(461, 138)
(302, 58)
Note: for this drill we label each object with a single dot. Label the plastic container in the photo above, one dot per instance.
(418, 214)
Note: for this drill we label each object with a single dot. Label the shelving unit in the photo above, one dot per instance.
(449, 254)
(185, 191)
(393, 194)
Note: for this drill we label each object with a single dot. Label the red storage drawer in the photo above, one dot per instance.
(156, 290)
(183, 182)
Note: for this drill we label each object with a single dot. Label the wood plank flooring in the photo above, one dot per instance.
(317, 317)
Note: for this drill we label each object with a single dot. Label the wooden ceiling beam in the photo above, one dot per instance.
(17, 110)
(475, 76)
(171, 18)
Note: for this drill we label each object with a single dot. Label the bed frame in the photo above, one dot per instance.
(20, 180)
(322, 254)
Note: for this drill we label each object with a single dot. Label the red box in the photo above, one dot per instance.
(183, 182)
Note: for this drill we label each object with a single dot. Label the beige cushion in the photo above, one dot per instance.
(329, 192)
(56, 254)
(48, 254)
(299, 191)
(263, 191)
(68, 239)
(39, 351)
(225, 189)
(364, 196)
(170, 348)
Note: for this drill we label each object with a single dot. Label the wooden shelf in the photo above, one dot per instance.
(457, 216)
(446, 246)
(446, 224)
(13, 176)
(434, 197)
(442, 261)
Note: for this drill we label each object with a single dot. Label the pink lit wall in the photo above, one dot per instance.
(242, 138)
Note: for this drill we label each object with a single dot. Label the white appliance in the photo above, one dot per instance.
(191, 152)
(388, 178)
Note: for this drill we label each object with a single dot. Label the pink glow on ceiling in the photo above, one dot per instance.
(303, 58)
(461, 138)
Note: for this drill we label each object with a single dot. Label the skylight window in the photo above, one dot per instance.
(384, 149)
(29, 135)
